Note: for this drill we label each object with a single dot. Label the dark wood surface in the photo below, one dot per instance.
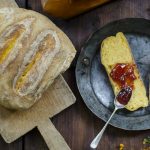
(77, 124)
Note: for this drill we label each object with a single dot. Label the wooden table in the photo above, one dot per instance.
(77, 124)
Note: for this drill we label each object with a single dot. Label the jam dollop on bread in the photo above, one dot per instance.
(123, 75)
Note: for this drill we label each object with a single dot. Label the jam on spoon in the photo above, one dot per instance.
(123, 74)
(124, 95)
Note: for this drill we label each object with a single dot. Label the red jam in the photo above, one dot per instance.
(124, 95)
(123, 75)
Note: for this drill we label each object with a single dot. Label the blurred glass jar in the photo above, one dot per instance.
(68, 8)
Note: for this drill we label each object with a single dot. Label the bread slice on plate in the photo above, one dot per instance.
(116, 50)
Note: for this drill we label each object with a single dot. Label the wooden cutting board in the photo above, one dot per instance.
(14, 124)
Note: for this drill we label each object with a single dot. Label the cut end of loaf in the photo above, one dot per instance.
(115, 49)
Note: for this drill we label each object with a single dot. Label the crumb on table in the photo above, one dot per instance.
(121, 146)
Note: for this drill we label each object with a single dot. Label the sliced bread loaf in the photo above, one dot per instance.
(33, 52)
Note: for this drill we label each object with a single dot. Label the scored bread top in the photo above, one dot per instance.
(33, 52)
(114, 50)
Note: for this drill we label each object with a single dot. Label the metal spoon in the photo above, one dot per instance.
(125, 94)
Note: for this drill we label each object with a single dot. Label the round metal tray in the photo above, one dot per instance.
(93, 82)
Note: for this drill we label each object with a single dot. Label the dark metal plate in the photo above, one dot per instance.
(93, 82)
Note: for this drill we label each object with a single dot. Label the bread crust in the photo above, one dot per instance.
(38, 39)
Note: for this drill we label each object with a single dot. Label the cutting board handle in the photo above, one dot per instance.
(52, 137)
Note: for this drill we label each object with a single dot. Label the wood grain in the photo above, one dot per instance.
(80, 122)
(77, 124)
(52, 137)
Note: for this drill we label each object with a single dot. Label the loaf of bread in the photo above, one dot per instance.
(114, 50)
(33, 52)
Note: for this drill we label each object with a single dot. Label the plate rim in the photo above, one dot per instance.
(80, 62)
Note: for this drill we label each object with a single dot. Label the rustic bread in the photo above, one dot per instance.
(115, 49)
(33, 52)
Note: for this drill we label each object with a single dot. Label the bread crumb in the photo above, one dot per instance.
(121, 147)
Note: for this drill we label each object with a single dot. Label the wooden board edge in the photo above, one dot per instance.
(67, 86)
(10, 139)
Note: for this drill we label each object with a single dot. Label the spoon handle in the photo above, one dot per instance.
(96, 140)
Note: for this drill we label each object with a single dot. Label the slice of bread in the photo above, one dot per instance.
(115, 49)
